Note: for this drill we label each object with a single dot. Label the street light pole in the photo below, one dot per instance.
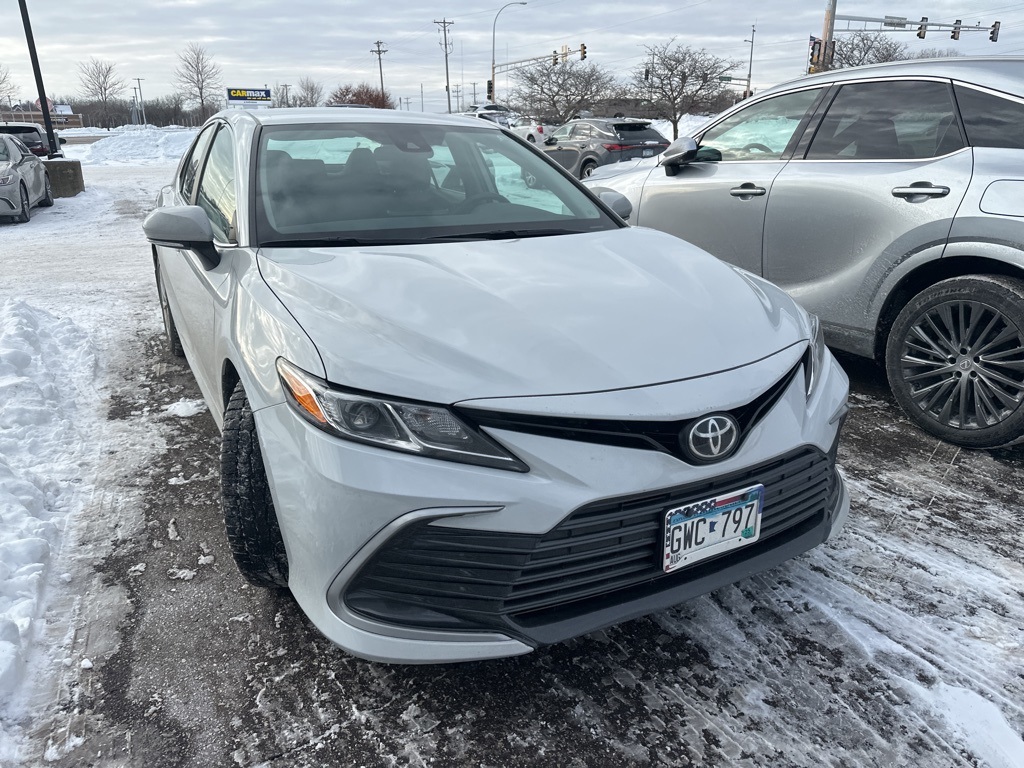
(750, 70)
(142, 104)
(494, 27)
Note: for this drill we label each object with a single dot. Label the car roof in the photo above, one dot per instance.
(327, 115)
(1003, 73)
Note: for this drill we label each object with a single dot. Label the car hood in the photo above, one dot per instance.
(541, 316)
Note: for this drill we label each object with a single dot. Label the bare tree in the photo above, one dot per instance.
(679, 80)
(866, 47)
(310, 93)
(561, 91)
(100, 82)
(364, 93)
(7, 88)
(198, 78)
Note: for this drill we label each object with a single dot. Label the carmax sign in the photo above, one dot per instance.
(249, 97)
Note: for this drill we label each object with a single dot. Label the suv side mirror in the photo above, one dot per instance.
(550, 141)
(679, 153)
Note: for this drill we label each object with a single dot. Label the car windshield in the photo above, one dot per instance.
(4, 154)
(354, 184)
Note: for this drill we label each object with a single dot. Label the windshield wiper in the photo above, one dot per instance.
(336, 242)
(502, 234)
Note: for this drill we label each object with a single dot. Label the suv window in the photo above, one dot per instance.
(991, 121)
(191, 166)
(582, 131)
(763, 130)
(638, 132)
(888, 121)
(217, 187)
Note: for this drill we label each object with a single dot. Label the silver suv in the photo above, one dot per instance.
(33, 136)
(888, 200)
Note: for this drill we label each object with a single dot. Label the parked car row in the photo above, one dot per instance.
(467, 411)
(34, 137)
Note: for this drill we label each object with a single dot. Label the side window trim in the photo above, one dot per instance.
(221, 130)
(204, 149)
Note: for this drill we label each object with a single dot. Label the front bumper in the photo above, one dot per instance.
(385, 549)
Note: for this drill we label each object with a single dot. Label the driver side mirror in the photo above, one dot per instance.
(185, 228)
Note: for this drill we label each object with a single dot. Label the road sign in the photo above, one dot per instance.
(725, 78)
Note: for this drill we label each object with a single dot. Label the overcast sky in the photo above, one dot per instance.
(266, 42)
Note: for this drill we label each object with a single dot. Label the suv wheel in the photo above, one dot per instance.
(955, 360)
(249, 517)
(588, 168)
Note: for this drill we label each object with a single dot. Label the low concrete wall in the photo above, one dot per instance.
(66, 178)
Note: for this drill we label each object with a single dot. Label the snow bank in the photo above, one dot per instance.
(139, 146)
(40, 358)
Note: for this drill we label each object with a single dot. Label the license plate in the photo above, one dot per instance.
(648, 153)
(706, 528)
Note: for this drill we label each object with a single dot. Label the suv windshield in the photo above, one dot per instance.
(355, 184)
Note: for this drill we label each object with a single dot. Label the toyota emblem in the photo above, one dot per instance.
(712, 438)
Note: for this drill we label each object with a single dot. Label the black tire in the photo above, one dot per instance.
(588, 167)
(529, 138)
(170, 329)
(47, 200)
(249, 517)
(955, 360)
(22, 216)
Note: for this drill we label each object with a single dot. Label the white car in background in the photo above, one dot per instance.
(533, 129)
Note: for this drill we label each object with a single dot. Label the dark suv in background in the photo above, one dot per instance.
(580, 146)
(32, 136)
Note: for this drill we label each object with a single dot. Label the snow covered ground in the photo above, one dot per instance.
(902, 643)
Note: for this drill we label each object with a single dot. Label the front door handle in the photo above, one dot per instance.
(920, 190)
(747, 191)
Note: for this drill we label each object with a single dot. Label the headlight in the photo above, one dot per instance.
(814, 361)
(426, 430)
(5, 180)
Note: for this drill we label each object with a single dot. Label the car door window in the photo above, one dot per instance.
(581, 132)
(762, 131)
(21, 147)
(563, 133)
(191, 166)
(888, 121)
(991, 120)
(217, 187)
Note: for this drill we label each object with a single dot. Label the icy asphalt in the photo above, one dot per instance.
(899, 644)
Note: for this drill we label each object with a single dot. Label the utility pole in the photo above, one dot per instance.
(142, 104)
(458, 96)
(444, 24)
(422, 108)
(43, 106)
(750, 70)
(286, 86)
(474, 92)
(380, 65)
(407, 100)
(828, 37)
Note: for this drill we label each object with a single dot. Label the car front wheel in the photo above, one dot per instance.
(249, 516)
(25, 213)
(955, 360)
(587, 169)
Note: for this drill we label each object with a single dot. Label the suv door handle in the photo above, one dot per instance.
(920, 189)
(747, 191)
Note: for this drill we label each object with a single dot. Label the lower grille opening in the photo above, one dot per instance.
(603, 554)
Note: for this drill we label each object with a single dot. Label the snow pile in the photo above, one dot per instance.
(39, 358)
(141, 146)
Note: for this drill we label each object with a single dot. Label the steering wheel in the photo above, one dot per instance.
(474, 201)
(758, 147)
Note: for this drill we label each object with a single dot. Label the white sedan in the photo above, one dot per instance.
(464, 416)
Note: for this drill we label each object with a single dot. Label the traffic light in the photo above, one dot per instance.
(583, 51)
(554, 58)
(923, 28)
(955, 34)
(993, 34)
(490, 90)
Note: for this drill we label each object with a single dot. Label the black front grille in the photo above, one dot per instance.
(645, 435)
(453, 578)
